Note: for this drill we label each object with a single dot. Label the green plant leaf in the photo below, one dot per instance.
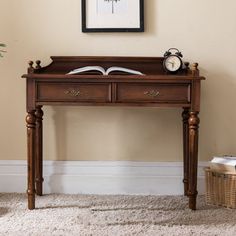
(1, 51)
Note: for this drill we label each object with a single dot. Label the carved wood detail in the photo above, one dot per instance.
(193, 122)
(31, 125)
(185, 116)
(39, 151)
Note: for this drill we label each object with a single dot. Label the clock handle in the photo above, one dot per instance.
(177, 52)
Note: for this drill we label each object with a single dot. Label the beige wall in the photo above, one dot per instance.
(205, 31)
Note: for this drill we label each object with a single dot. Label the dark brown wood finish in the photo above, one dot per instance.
(39, 151)
(31, 124)
(153, 92)
(193, 158)
(83, 92)
(51, 85)
(185, 116)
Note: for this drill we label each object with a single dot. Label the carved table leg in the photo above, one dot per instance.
(39, 151)
(30, 120)
(193, 158)
(185, 116)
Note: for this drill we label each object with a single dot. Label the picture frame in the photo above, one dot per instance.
(112, 16)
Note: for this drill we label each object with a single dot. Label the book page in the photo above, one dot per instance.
(87, 69)
(122, 69)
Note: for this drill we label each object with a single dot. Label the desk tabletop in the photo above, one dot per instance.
(151, 67)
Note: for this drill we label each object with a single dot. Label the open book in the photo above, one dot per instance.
(101, 70)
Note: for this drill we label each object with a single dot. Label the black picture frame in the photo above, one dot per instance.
(85, 29)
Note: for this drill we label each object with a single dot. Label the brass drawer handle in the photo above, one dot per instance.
(73, 92)
(152, 93)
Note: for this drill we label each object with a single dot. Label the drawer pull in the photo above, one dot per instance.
(73, 92)
(152, 93)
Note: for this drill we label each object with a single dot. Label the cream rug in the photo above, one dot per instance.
(112, 215)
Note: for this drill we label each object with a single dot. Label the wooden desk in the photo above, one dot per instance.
(51, 86)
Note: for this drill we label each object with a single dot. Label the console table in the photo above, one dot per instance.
(51, 85)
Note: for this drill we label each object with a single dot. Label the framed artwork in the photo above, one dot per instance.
(112, 15)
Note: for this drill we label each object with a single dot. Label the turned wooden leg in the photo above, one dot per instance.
(39, 151)
(185, 116)
(193, 122)
(30, 120)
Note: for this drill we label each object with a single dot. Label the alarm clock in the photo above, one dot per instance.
(172, 60)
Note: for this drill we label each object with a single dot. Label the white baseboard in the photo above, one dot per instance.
(101, 177)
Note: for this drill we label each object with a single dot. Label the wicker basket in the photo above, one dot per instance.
(220, 188)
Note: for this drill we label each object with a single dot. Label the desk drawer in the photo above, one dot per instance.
(159, 93)
(82, 92)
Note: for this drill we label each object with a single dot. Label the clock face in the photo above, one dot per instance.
(173, 63)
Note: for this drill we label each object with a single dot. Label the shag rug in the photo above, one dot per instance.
(58, 214)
